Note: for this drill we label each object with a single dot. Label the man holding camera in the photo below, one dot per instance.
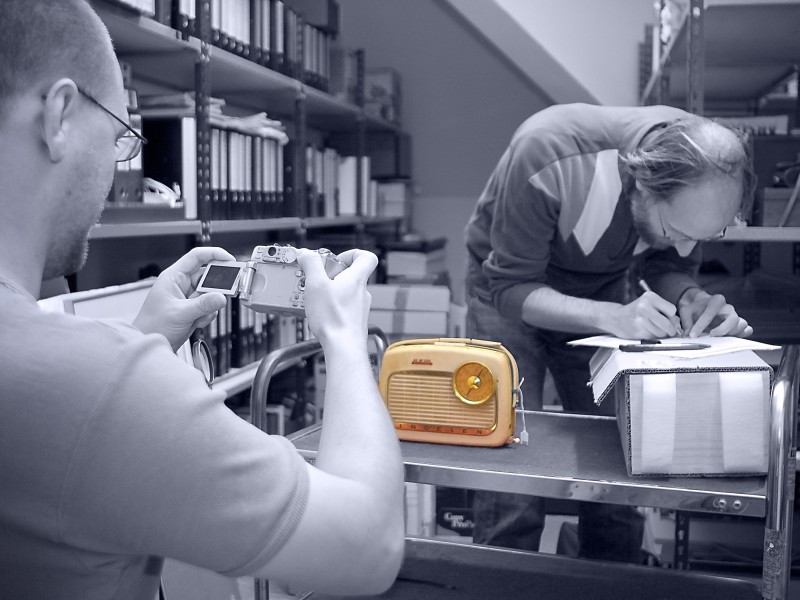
(113, 452)
(582, 195)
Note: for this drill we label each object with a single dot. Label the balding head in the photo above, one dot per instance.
(690, 150)
(44, 40)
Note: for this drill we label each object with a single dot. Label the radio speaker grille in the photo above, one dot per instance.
(428, 399)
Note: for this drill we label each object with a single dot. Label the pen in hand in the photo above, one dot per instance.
(646, 288)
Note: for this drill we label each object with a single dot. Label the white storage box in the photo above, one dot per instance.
(410, 311)
(676, 416)
(410, 297)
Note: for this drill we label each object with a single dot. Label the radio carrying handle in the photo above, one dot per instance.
(270, 363)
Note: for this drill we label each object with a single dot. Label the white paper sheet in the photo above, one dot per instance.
(717, 345)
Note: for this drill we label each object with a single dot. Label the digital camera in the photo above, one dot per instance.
(270, 282)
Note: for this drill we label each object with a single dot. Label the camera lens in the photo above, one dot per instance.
(272, 251)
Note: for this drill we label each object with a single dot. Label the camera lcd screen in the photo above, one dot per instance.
(220, 278)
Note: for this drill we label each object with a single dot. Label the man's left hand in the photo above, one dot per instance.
(172, 308)
(710, 314)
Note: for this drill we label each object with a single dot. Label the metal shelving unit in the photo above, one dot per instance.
(728, 55)
(725, 59)
(164, 58)
(167, 58)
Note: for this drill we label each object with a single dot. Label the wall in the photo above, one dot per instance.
(461, 102)
(596, 42)
(464, 92)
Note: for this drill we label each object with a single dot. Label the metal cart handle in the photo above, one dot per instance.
(781, 477)
(273, 360)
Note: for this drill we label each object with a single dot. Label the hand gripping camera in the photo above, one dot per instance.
(270, 282)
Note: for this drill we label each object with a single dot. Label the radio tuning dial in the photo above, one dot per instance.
(473, 383)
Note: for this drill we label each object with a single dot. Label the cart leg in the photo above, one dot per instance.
(681, 541)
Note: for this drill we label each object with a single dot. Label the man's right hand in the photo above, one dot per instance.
(338, 307)
(649, 316)
(350, 538)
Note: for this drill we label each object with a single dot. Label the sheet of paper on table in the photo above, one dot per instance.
(716, 345)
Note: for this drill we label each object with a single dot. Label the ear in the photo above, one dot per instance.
(59, 105)
(639, 186)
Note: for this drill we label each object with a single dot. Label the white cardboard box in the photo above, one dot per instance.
(420, 323)
(702, 416)
(409, 297)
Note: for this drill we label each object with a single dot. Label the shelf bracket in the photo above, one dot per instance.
(696, 57)
(202, 76)
(681, 540)
(298, 176)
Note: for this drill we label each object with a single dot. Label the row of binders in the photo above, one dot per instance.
(247, 173)
(269, 32)
(246, 166)
(239, 336)
(338, 185)
(250, 165)
(273, 33)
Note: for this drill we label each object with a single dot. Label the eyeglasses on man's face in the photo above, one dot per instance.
(679, 237)
(129, 143)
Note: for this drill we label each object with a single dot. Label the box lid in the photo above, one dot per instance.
(419, 322)
(409, 297)
(609, 364)
(416, 245)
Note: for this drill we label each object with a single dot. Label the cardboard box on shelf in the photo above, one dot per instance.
(394, 199)
(343, 79)
(410, 311)
(410, 323)
(702, 416)
(409, 297)
(382, 95)
(774, 202)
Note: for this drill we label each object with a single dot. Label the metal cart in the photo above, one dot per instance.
(579, 457)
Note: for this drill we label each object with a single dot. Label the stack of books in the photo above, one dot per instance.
(418, 261)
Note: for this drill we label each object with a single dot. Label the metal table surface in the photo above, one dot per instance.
(569, 456)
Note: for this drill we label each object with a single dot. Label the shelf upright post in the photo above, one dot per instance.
(361, 151)
(361, 194)
(202, 91)
(298, 175)
(695, 58)
(795, 259)
(797, 97)
(663, 82)
(681, 558)
(752, 257)
(663, 61)
(646, 58)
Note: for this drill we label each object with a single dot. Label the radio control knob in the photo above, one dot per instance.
(473, 383)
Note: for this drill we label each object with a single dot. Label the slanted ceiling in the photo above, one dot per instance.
(515, 45)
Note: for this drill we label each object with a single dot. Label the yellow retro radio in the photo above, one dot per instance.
(451, 391)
